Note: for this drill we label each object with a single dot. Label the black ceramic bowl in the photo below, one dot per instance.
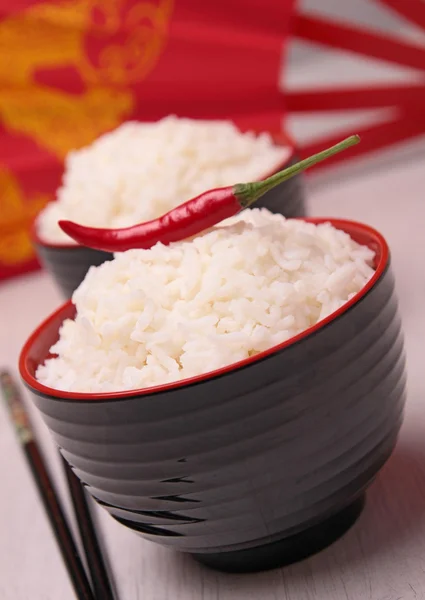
(255, 465)
(69, 263)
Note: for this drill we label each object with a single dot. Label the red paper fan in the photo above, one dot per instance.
(77, 69)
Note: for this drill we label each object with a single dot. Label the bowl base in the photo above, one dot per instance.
(289, 550)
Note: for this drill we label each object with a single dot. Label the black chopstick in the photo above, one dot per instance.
(102, 584)
(45, 487)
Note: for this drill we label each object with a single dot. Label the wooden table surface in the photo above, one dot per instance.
(381, 558)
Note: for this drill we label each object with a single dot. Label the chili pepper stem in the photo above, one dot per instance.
(248, 193)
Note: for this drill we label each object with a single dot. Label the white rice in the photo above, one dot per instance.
(142, 170)
(154, 316)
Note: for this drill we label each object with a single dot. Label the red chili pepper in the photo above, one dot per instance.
(194, 216)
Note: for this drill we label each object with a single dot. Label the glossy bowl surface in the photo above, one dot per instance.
(259, 463)
(69, 263)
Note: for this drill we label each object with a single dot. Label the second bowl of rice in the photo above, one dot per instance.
(233, 395)
(142, 170)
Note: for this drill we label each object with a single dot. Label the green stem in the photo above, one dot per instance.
(247, 193)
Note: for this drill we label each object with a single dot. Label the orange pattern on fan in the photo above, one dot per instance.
(16, 216)
(102, 60)
(66, 71)
(131, 40)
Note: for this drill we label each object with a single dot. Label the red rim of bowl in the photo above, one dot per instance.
(280, 139)
(373, 236)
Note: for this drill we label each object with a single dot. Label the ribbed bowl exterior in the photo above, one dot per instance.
(256, 454)
(69, 265)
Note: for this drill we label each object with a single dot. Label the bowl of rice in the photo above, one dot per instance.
(233, 395)
(142, 170)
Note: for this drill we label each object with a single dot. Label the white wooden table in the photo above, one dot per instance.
(381, 558)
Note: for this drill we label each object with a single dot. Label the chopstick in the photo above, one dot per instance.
(101, 583)
(45, 487)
